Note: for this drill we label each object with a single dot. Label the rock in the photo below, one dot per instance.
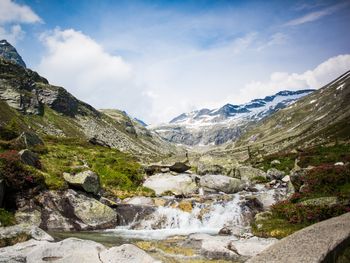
(87, 181)
(275, 162)
(179, 167)
(181, 184)
(126, 253)
(286, 179)
(8, 52)
(32, 218)
(296, 178)
(339, 164)
(321, 242)
(221, 183)
(139, 200)
(225, 231)
(29, 158)
(132, 214)
(262, 215)
(215, 165)
(185, 206)
(165, 170)
(274, 173)
(29, 140)
(216, 249)
(69, 210)
(247, 173)
(154, 168)
(72, 250)
(20, 233)
(252, 246)
(321, 201)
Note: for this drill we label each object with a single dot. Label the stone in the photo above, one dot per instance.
(252, 246)
(286, 179)
(221, 183)
(296, 178)
(321, 201)
(262, 216)
(28, 140)
(247, 173)
(339, 164)
(69, 210)
(275, 162)
(179, 167)
(139, 200)
(181, 184)
(185, 206)
(29, 158)
(32, 218)
(132, 214)
(216, 249)
(321, 242)
(274, 173)
(126, 253)
(86, 180)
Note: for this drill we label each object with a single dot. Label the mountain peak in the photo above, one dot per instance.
(8, 52)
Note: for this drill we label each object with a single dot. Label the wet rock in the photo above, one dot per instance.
(221, 183)
(128, 213)
(274, 173)
(181, 184)
(185, 206)
(179, 167)
(247, 173)
(87, 181)
(29, 158)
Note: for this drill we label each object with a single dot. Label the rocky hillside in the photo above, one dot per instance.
(218, 126)
(31, 102)
(321, 117)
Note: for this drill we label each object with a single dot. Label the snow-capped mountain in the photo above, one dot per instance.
(217, 126)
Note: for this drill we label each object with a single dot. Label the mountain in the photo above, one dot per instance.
(8, 52)
(31, 102)
(321, 117)
(218, 126)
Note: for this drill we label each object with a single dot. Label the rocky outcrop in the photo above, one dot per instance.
(220, 183)
(72, 250)
(321, 242)
(8, 52)
(248, 173)
(29, 158)
(181, 184)
(87, 181)
(69, 210)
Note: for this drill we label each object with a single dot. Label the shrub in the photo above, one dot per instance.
(6, 218)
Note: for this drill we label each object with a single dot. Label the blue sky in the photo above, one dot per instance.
(157, 59)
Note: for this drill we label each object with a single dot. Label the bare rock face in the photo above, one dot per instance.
(8, 52)
(87, 181)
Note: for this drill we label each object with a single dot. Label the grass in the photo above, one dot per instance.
(6, 218)
(120, 173)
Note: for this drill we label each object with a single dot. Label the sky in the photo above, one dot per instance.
(158, 59)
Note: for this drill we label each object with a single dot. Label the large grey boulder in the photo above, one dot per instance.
(181, 184)
(69, 210)
(274, 173)
(29, 158)
(221, 183)
(248, 173)
(72, 250)
(87, 181)
(321, 242)
(131, 215)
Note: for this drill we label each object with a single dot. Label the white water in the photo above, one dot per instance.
(168, 221)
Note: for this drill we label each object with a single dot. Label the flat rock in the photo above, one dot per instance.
(317, 243)
(221, 183)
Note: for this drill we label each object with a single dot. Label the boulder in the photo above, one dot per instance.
(87, 181)
(274, 173)
(296, 178)
(139, 200)
(28, 140)
(248, 173)
(72, 250)
(132, 214)
(181, 184)
(339, 164)
(69, 210)
(221, 183)
(29, 158)
(217, 249)
(286, 179)
(31, 217)
(208, 164)
(179, 167)
(275, 162)
(20, 233)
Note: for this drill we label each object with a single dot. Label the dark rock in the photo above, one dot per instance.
(29, 158)
(179, 167)
(128, 214)
(29, 140)
(8, 52)
(96, 141)
(225, 231)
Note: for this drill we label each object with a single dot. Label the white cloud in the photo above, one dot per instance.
(11, 16)
(315, 15)
(315, 78)
(76, 62)
(10, 12)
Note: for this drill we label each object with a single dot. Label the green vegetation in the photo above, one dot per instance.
(6, 218)
(260, 179)
(120, 173)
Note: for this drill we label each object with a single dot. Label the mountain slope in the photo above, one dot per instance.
(317, 118)
(218, 126)
(51, 110)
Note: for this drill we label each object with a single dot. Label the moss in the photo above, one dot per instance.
(6, 218)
